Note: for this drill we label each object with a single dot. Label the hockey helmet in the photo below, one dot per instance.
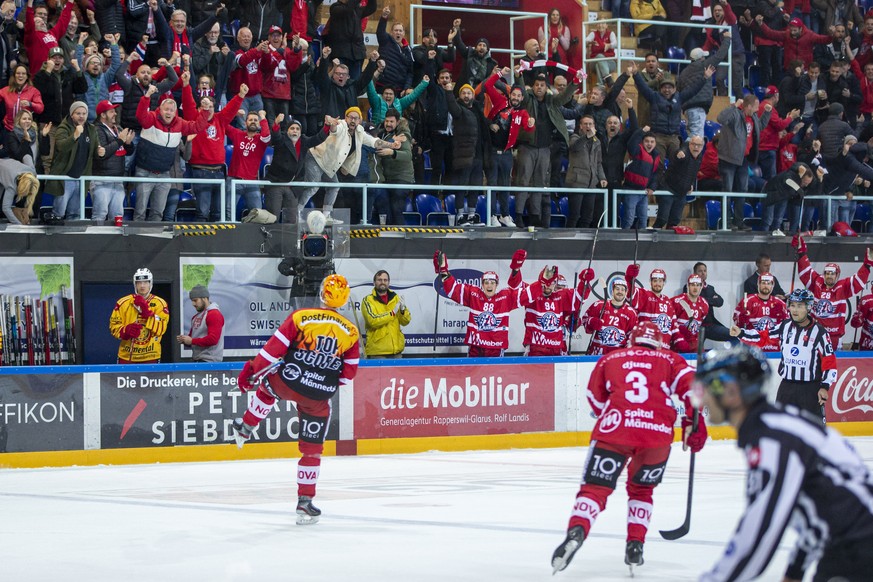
(646, 333)
(619, 281)
(801, 296)
(767, 277)
(694, 278)
(834, 268)
(490, 276)
(843, 229)
(143, 275)
(562, 282)
(549, 275)
(745, 365)
(658, 274)
(334, 291)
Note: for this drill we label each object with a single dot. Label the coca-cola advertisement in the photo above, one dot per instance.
(851, 398)
(429, 401)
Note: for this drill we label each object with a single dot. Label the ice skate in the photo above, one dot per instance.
(241, 432)
(564, 553)
(633, 555)
(307, 514)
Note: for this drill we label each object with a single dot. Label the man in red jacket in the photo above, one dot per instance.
(797, 40)
(38, 39)
(768, 144)
(276, 71)
(207, 149)
(246, 69)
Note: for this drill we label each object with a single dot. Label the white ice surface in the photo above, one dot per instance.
(484, 516)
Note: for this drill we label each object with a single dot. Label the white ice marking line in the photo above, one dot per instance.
(382, 520)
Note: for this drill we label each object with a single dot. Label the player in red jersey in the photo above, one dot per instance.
(488, 324)
(761, 311)
(313, 353)
(634, 428)
(610, 320)
(863, 318)
(651, 304)
(831, 293)
(546, 309)
(691, 309)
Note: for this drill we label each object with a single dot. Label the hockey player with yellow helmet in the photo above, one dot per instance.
(313, 353)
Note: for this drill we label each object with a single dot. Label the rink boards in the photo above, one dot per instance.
(86, 415)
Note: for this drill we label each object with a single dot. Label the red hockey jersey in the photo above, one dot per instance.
(830, 307)
(658, 309)
(544, 316)
(760, 314)
(617, 323)
(247, 71)
(488, 324)
(687, 324)
(248, 152)
(863, 318)
(627, 392)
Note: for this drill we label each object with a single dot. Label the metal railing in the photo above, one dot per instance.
(618, 52)
(611, 199)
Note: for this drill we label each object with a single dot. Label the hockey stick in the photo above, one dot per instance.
(682, 530)
(573, 318)
(799, 223)
(436, 316)
(855, 341)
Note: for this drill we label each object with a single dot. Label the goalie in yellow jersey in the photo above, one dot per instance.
(140, 320)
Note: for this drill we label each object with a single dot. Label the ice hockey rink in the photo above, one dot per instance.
(433, 516)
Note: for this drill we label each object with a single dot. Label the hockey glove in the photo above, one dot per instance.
(142, 306)
(440, 264)
(518, 258)
(695, 440)
(586, 275)
(244, 380)
(630, 274)
(131, 331)
(799, 245)
(856, 320)
(594, 324)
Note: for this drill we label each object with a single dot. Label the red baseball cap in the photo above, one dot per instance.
(771, 90)
(105, 106)
(796, 22)
(275, 28)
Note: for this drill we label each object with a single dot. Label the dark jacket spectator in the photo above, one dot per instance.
(17, 146)
(602, 103)
(681, 173)
(397, 56)
(260, 15)
(288, 157)
(733, 135)
(791, 95)
(477, 63)
(693, 72)
(111, 163)
(832, 132)
(135, 87)
(203, 9)
(614, 147)
(343, 32)
(57, 88)
(469, 131)
(643, 171)
(845, 90)
(665, 113)
(420, 56)
(110, 16)
(208, 55)
(553, 105)
(304, 99)
(338, 93)
(67, 150)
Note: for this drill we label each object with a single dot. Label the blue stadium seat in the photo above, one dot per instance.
(430, 208)
(713, 214)
(186, 211)
(482, 207)
(411, 217)
(675, 52)
(754, 75)
(861, 222)
(683, 130)
(760, 92)
(450, 205)
(564, 205)
(558, 220)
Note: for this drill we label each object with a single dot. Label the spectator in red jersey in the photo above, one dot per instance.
(20, 95)
(304, 18)
(245, 68)
(249, 147)
(610, 321)
(38, 39)
(634, 428)
(207, 149)
(769, 141)
(797, 40)
(832, 294)
(276, 71)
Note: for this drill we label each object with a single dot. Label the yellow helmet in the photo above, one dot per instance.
(334, 291)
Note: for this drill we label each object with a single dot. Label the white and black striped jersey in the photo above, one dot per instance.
(800, 474)
(807, 353)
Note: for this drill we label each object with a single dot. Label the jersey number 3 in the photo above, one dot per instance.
(639, 391)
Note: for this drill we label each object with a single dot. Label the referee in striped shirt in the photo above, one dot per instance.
(808, 367)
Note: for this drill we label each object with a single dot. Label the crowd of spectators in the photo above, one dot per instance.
(205, 90)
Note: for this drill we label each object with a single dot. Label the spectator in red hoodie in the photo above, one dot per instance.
(207, 148)
(38, 39)
(797, 40)
(866, 82)
(769, 144)
(20, 95)
(275, 67)
(245, 69)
